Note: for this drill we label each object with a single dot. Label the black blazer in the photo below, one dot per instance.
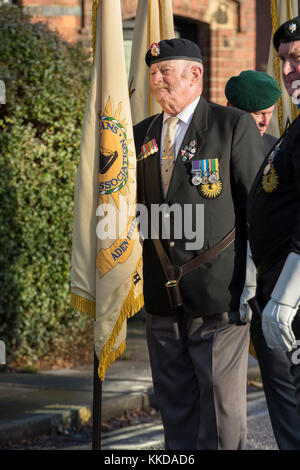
(231, 136)
(275, 216)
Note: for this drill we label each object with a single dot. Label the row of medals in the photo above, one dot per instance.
(210, 183)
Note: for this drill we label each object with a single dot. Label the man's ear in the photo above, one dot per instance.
(196, 73)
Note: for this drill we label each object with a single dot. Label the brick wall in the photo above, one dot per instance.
(227, 31)
(62, 15)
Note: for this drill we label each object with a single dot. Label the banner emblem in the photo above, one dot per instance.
(113, 165)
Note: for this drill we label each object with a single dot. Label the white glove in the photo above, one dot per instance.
(249, 288)
(278, 314)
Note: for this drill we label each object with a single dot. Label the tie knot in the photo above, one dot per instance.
(171, 122)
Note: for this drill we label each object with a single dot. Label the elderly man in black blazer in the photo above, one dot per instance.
(206, 158)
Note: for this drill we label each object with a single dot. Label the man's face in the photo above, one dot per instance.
(171, 83)
(289, 54)
(263, 118)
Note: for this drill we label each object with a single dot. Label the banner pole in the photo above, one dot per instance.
(97, 402)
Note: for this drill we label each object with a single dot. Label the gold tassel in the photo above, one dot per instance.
(107, 357)
(94, 26)
(252, 350)
(289, 9)
(82, 304)
(130, 307)
(113, 356)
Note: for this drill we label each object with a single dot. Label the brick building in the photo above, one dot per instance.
(234, 35)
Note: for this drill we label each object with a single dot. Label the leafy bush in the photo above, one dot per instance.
(47, 83)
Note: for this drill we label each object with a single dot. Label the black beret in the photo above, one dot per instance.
(170, 49)
(252, 91)
(287, 32)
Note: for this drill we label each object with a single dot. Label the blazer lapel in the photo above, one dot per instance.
(196, 131)
(152, 178)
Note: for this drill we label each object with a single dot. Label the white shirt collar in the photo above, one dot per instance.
(186, 114)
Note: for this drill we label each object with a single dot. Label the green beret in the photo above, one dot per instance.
(252, 91)
(170, 49)
(287, 32)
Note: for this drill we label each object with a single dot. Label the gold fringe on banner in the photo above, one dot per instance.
(275, 26)
(82, 304)
(130, 307)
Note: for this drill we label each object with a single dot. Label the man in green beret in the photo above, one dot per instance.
(257, 93)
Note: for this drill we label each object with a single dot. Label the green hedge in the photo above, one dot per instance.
(47, 82)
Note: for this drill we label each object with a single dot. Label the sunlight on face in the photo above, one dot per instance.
(172, 84)
(289, 54)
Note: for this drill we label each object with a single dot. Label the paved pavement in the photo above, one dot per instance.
(35, 404)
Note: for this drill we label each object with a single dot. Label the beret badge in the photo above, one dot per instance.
(155, 49)
(292, 28)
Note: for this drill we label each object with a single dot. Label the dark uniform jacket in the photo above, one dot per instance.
(269, 141)
(231, 136)
(275, 216)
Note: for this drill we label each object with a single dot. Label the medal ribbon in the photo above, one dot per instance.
(196, 166)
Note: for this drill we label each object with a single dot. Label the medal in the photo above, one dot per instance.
(205, 173)
(211, 186)
(267, 169)
(213, 178)
(196, 172)
(270, 179)
(148, 149)
(196, 179)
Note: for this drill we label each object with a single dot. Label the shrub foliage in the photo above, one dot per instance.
(47, 83)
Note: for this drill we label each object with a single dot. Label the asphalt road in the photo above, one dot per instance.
(150, 436)
(147, 434)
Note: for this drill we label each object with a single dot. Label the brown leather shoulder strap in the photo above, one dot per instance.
(208, 254)
(174, 272)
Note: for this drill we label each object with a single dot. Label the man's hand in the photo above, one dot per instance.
(278, 314)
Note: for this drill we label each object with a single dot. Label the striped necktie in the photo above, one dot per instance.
(168, 154)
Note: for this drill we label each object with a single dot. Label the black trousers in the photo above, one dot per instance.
(278, 373)
(199, 369)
